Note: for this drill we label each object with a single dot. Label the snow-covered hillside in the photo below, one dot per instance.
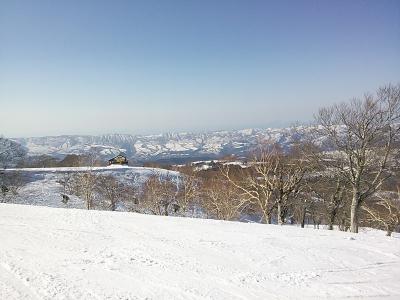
(171, 146)
(52, 253)
(42, 185)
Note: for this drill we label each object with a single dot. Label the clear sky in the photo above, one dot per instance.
(92, 67)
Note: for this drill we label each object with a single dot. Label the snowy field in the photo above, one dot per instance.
(43, 188)
(54, 253)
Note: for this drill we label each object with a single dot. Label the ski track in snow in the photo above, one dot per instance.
(52, 253)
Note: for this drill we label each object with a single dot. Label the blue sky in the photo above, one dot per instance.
(92, 67)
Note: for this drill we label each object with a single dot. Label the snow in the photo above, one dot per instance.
(43, 187)
(161, 146)
(54, 253)
(83, 169)
(180, 146)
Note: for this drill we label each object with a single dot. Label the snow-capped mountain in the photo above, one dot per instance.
(176, 147)
(10, 152)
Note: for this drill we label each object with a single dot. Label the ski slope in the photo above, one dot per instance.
(55, 253)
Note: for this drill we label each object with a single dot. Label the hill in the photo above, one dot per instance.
(53, 253)
(41, 186)
(168, 147)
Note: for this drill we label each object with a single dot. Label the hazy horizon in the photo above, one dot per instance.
(155, 133)
(148, 67)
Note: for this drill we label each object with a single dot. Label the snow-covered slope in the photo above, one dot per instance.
(42, 185)
(52, 253)
(170, 146)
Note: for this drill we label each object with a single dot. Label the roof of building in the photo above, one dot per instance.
(119, 155)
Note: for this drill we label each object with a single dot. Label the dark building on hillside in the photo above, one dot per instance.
(118, 160)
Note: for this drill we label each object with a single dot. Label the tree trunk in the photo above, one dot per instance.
(389, 230)
(266, 218)
(331, 220)
(354, 212)
(166, 209)
(159, 209)
(279, 214)
(88, 204)
(303, 217)
(113, 205)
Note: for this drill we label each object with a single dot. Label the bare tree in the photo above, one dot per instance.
(384, 211)
(287, 181)
(302, 206)
(221, 199)
(188, 192)
(254, 184)
(93, 159)
(331, 193)
(272, 180)
(362, 133)
(84, 185)
(10, 184)
(159, 194)
(71, 160)
(65, 180)
(111, 189)
(130, 197)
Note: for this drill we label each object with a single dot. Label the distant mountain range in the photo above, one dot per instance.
(168, 147)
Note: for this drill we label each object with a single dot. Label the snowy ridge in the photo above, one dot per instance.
(153, 147)
(49, 253)
(84, 169)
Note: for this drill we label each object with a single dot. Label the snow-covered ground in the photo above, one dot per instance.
(53, 253)
(43, 188)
